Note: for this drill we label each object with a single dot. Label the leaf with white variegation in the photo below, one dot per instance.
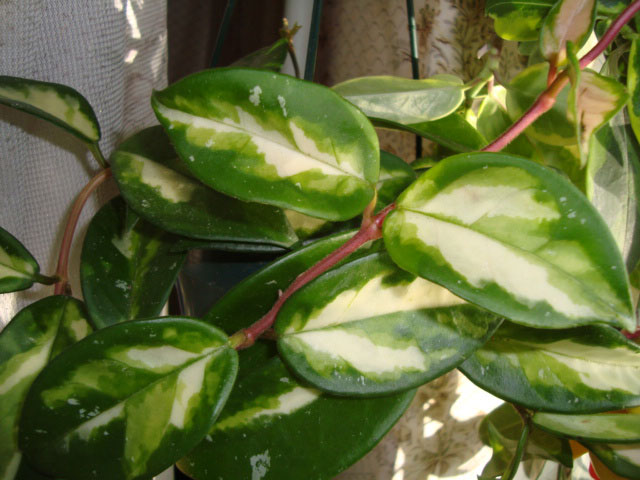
(369, 328)
(270, 138)
(271, 57)
(403, 100)
(126, 273)
(58, 104)
(35, 335)
(97, 397)
(623, 460)
(518, 20)
(599, 428)
(157, 185)
(581, 370)
(613, 184)
(513, 237)
(18, 268)
(567, 21)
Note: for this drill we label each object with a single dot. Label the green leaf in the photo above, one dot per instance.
(395, 176)
(156, 184)
(129, 400)
(501, 430)
(403, 100)
(582, 370)
(606, 427)
(518, 20)
(35, 335)
(567, 21)
(369, 328)
(623, 460)
(269, 415)
(270, 138)
(613, 185)
(53, 102)
(633, 85)
(452, 132)
(513, 237)
(18, 269)
(493, 121)
(126, 273)
(271, 57)
(187, 244)
(553, 127)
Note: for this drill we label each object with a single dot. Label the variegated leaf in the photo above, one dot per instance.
(633, 85)
(518, 20)
(452, 131)
(129, 400)
(403, 100)
(270, 414)
(157, 185)
(126, 273)
(567, 21)
(613, 184)
(553, 127)
(270, 138)
(18, 268)
(600, 428)
(369, 328)
(271, 57)
(622, 460)
(513, 237)
(36, 334)
(581, 370)
(58, 104)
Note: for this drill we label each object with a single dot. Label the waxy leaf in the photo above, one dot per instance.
(493, 121)
(395, 176)
(186, 244)
(369, 328)
(269, 415)
(270, 138)
(633, 85)
(452, 131)
(403, 100)
(36, 334)
(553, 127)
(501, 430)
(156, 184)
(513, 237)
(567, 21)
(268, 58)
(605, 427)
(613, 185)
(126, 273)
(581, 370)
(623, 460)
(518, 20)
(18, 268)
(53, 102)
(129, 400)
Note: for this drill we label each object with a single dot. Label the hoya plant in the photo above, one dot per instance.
(510, 253)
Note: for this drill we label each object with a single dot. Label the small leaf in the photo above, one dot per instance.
(270, 138)
(605, 428)
(53, 102)
(633, 85)
(268, 58)
(452, 132)
(567, 21)
(369, 328)
(613, 185)
(126, 273)
(97, 397)
(395, 176)
(518, 20)
(270, 414)
(513, 237)
(581, 370)
(159, 188)
(623, 460)
(403, 100)
(18, 269)
(35, 335)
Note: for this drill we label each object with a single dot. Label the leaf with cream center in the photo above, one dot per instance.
(605, 427)
(567, 21)
(18, 269)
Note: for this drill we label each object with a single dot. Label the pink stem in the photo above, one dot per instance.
(371, 230)
(61, 286)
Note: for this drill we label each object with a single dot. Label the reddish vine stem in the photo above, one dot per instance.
(547, 98)
(371, 229)
(61, 287)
